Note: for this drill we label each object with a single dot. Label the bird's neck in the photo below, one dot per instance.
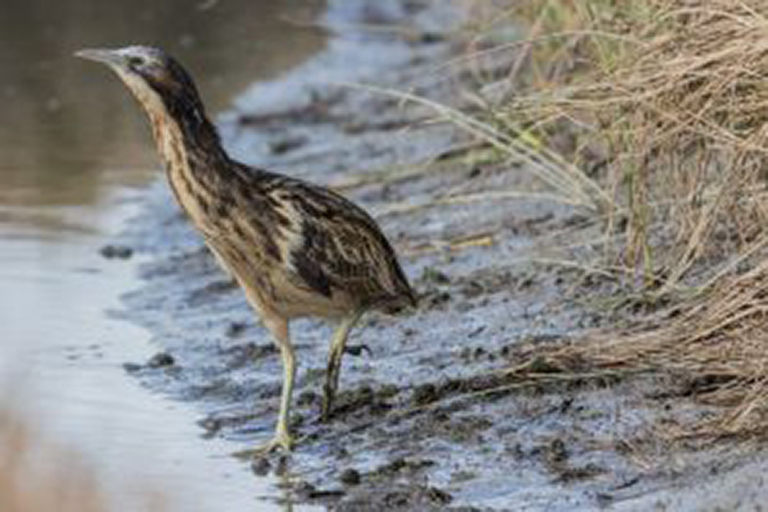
(193, 156)
(189, 128)
(179, 123)
(185, 138)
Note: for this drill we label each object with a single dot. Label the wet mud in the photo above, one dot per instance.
(427, 418)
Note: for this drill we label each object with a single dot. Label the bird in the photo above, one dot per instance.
(295, 248)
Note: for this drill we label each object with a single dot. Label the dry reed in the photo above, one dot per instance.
(671, 98)
(716, 351)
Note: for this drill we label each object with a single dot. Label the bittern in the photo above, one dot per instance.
(295, 248)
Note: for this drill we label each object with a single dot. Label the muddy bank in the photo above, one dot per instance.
(429, 419)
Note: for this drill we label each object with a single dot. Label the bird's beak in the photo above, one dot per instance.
(109, 57)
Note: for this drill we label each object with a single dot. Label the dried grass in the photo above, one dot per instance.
(568, 183)
(674, 110)
(716, 351)
(670, 97)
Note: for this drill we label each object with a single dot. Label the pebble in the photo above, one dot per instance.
(350, 477)
(161, 360)
(121, 252)
(261, 466)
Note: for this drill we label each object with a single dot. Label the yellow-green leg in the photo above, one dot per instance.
(334, 361)
(282, 439)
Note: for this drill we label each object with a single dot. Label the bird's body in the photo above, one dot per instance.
(295, 248)
(305, 250)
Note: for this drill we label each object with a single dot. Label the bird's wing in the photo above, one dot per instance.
(339, 246)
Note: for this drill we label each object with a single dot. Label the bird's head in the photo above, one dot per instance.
(156, 79)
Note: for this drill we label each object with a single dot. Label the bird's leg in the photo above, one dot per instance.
(334, 362)
(279, 329)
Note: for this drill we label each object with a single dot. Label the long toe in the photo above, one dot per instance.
(283, 440)
(280, 441)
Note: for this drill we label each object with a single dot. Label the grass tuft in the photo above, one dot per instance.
(664, 103)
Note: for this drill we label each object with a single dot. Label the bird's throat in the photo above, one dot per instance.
(187, 170)
(169, 141)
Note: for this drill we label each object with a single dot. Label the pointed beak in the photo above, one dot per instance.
(109, 57)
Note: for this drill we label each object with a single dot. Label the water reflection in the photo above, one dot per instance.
(65, 131)
(70, 141)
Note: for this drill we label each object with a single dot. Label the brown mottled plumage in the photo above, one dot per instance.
(295, 248)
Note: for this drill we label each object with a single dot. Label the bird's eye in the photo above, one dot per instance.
(135, 61)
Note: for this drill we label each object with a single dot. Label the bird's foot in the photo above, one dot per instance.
(282, 440)
(357, 350)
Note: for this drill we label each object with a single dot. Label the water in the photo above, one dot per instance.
(75, 155)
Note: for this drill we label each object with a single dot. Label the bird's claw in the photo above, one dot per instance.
(357, 350)
(280, 441)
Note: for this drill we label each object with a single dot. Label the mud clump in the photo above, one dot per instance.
(363, 399)
(461, 429)
(261, 466)
(434, 276)
(307, 398)
(236, 329)
(380, 493)
(286, 145)
(556, 452)
(556, 458)
(161, 360)
(158, 361)
(213, 425)
(414, 497)
(425, 394)
(116, 251)
(434, 299)
(308, 492)
(246, 354)
(400, 466)
(589, 471)
(350, 477)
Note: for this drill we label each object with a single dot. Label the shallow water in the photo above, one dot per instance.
(76, 153)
